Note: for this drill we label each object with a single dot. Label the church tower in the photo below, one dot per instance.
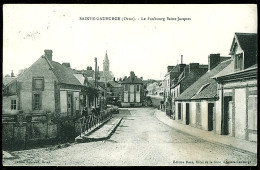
(106, 68)
(106, 63)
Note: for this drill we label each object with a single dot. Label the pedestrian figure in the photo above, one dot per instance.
(98, 113)
(93, 116)
(85, 112)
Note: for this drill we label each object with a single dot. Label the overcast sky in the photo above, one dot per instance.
(146, 47)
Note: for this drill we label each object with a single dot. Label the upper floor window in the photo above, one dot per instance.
(137, 88)
(38, 83)
(126, 87)
(238, 62)
(13, 104)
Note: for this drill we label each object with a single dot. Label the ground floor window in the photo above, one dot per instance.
(36, 101)
(13, 105)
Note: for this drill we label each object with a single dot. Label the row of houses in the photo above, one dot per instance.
(219, 97)
(50, 87)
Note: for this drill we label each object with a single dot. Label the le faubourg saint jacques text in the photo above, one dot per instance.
(134, 18)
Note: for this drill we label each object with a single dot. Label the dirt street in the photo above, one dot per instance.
(141, 139)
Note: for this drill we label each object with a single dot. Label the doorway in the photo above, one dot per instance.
(210, 116)
(226, 118)
(187, 113)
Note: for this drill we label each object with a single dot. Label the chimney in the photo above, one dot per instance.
(66, 64)
(194, 66)
(12, 74)
(181, 67)
(48, 54)
(89, 68)
(169, 68)
(141, 78)
(181, 59)
(213, 61)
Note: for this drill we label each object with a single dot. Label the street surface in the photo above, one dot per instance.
(141, 140)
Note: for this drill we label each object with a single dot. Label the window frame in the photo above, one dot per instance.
(39, 101)
(238, 63)
(137, 88)
(126, 87)
(13, 105)
(34, 84)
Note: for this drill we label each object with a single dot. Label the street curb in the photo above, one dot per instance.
(80, 138)
(208, 140)
(109, 133)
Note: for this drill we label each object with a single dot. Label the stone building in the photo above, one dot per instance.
(236, 110)
(132, 91)
(48, 87)
(195, 106)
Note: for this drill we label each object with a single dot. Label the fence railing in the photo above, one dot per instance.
(92, 120)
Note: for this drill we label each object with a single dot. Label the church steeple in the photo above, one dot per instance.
(106, 63)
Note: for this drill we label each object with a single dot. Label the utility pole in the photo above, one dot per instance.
(95, 80)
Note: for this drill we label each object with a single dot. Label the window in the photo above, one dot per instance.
(36, 101)
(13, 104)
(38, 84)
(126, 87)
(238, 62)
(137, 88)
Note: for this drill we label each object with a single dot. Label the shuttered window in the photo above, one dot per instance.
(38, 83)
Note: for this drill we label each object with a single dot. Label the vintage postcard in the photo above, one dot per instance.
(129, 85)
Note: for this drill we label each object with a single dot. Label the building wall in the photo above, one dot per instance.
(63, 103)
(244, 109)
(6, 104)
(184, 113)
(218, 112)
(240, 110)
(204, 115)
(193, 113)
(129, 99)
(48, 102)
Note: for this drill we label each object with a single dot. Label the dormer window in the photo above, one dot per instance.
(238, 62)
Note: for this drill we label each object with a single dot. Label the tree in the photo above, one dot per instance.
(21, 71)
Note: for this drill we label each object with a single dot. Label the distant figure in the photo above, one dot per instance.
(85, 112)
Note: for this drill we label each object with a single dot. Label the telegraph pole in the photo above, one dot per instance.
(95, 80)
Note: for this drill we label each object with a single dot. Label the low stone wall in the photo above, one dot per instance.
(20, 132)
(22, 135)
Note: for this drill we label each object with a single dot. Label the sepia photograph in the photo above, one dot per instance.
(130, 85)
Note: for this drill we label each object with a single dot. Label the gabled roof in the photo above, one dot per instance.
(134, 80)
(89, 73)
(8, 80)
(210, 91)
(80, 77)
(64, 74)
(114, 84)
(247, 41)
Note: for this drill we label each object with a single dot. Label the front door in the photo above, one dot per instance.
(187, 113)
(226, 116)
(70, 104)
(210, 116)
